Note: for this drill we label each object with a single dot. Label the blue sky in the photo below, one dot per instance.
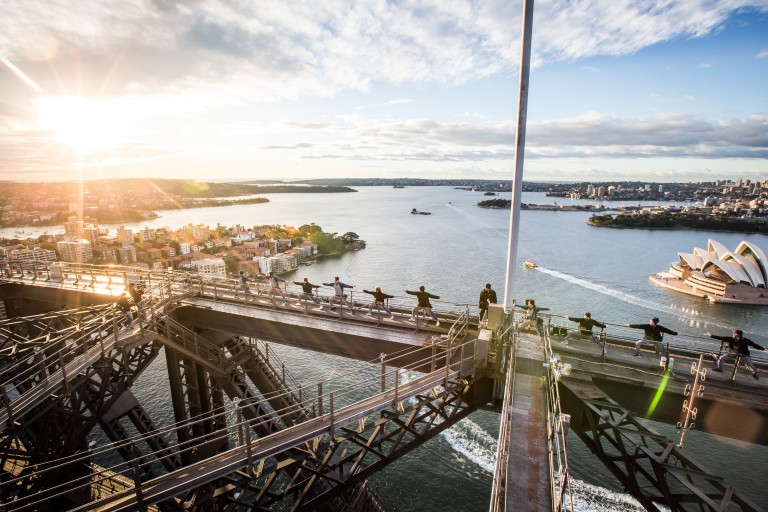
(620, 90)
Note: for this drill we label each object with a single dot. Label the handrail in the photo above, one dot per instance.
(396, 381)
(498, 501)
(290, 383)
(558, 421)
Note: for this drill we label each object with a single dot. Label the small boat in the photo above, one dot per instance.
(530, 264)
(490, 194)
(417, 212)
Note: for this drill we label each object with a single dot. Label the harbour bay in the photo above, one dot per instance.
(454, 252)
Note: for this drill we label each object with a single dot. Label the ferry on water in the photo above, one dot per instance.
(719, 275)
(530, 264)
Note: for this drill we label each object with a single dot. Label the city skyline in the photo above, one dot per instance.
(212, 91)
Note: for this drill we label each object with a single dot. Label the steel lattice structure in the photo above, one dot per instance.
(649, 465)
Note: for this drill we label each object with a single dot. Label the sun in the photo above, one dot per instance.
(85, 123)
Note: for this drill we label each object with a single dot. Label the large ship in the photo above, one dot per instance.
(719, 275)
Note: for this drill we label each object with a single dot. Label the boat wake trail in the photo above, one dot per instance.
(470, 440)
(630, 299)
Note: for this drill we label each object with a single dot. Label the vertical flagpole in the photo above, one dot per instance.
(517, 183)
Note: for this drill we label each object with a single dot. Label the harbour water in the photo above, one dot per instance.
(454, 252)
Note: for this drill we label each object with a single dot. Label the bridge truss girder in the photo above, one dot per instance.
(649, 465)
(337, 463)
(57, 427)
(313, 470)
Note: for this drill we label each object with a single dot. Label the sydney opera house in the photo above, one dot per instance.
(719, 275)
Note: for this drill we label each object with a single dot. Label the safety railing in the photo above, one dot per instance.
(558, 424)
(55, 363)
(384, 383)
(113, 279)
(620, 337)
(507, 342)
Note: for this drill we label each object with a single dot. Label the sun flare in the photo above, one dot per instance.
(78, 121)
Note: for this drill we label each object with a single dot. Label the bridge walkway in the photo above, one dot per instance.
(331, 423)
(80, 356)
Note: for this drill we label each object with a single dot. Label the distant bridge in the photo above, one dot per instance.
(68, 367)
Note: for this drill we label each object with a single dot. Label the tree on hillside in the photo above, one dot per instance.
(350, 237)
(327, 243)
(309, 229)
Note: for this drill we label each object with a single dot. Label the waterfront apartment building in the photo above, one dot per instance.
(124, 236)
(127, 254)
(36, 254)
(74, 228)
(308, 249)
(210, 267)
(92, 234)
(147, 235)
(106, 254)
(75, 251)
(277, 263)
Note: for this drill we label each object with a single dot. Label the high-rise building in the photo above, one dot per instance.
(124, 236)
(127, 254)
(147, 235)
(91, 233)
(75, 251)
(73, 228)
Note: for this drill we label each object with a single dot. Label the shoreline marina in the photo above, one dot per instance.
(614, 289)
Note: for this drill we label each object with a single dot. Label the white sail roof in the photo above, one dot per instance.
(733, 270)
(748, 265)
(704, 254)
(754, 253)
(716, 247)
(693, 261)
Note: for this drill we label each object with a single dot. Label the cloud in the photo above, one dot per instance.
(385, 104)
(705, 65)
(588, 136)
(292, 147)
(762, 54)
(273, 50)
